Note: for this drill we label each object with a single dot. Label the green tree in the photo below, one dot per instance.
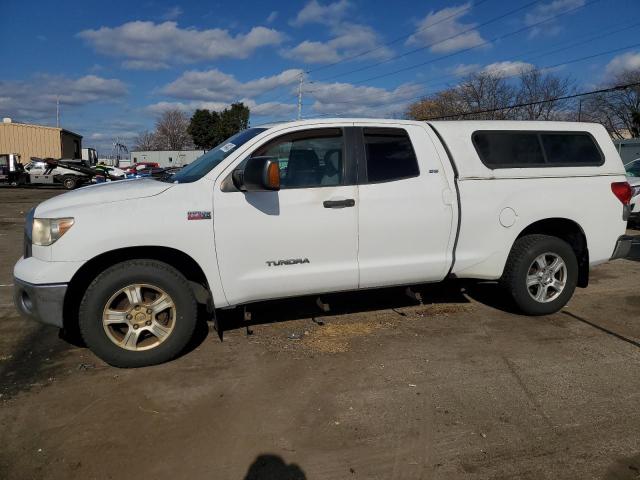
(210, 128)
(202, 128)
(232, 120)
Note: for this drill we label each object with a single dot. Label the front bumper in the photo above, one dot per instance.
(623, 246)
(43, 303)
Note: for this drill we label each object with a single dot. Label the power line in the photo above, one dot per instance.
(545, 53)
(549, 67)
(499, 37)
(397, 39)
(430, 45)
(463, 32)
(539, 102)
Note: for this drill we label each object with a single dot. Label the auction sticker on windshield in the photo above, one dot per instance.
(227, 147)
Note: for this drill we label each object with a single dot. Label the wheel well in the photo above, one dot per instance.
(91, 269)
(570, 232)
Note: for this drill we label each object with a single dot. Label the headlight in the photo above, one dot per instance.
(48, 230)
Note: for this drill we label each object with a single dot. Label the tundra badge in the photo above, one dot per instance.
(291, 261)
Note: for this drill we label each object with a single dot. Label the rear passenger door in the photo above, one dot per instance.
(405, 220)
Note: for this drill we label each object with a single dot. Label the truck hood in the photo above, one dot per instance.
(102, 193)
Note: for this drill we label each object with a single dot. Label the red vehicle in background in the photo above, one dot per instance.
(140, 166)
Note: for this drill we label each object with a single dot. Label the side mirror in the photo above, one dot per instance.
(258, 174)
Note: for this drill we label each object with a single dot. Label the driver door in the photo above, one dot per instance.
(301, 239)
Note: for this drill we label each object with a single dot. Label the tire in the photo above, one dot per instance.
(160, 335)
(69, 182)
(524, 277)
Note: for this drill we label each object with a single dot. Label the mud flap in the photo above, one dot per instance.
(216, 325)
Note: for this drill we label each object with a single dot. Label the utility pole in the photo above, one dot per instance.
(300, 96)
(58, 111)
(580, 109)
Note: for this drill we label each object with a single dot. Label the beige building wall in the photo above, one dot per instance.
(37, 141)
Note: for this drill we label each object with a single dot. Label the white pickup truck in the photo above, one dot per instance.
(319, 206)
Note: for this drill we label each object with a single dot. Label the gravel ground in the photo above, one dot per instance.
(382, 387)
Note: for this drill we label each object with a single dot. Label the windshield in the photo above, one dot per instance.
(203, 165)
(633, 168)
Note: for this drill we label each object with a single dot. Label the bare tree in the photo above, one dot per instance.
(491, 96)
(476, 93)
(619, 110)
(172, 130)
(145, 141)
(487, 91)
(441, 104)
(538, 86)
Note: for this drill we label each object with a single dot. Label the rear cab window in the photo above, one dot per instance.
(389, 155)
(529, 149)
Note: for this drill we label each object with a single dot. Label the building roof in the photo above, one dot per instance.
(32, 125)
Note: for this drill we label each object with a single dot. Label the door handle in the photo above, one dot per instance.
(349, 202)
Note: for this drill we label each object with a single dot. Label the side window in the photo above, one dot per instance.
(508, 149)
(311, 158)
(389, 155)
(571, 149)
(513, 149)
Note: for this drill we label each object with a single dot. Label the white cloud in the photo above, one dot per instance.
(172, 13)
(624, 62)
(315, 12)
(165, 42)
(272, 17)
(434, 30)
(257, 109)
(347, 99)
(348, 38)
(144, 65)
(35, 99)
(507, 68)
(462, 70)
(313, 52)
(545, 11)
(216, 86)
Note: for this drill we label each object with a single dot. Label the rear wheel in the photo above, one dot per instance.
(69, 182)
(138, 313)
(541, 274)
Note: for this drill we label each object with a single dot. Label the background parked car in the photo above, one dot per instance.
(635, 200)
(633, 168)
(138, 167)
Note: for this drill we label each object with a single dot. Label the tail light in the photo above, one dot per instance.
(623, 191)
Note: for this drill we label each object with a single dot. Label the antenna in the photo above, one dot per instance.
(58, 111)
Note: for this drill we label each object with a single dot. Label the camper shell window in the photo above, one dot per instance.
(530, 149)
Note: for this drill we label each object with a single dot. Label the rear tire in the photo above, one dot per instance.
(138, 313)
(541, 274)
(69, 182)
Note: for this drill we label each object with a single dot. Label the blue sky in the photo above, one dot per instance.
(114, 65)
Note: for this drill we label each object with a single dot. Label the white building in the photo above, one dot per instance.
(165, 158)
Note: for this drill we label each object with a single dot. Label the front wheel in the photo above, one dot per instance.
(541, 274)
(138, 313)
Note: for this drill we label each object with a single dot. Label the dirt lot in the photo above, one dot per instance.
(382, 388)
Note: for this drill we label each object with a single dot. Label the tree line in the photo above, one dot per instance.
(534, 94)
(175, 130)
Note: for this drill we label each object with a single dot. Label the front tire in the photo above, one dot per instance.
(541, 274)
(138, 313)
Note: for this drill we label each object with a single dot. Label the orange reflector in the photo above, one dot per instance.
(273, 175)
